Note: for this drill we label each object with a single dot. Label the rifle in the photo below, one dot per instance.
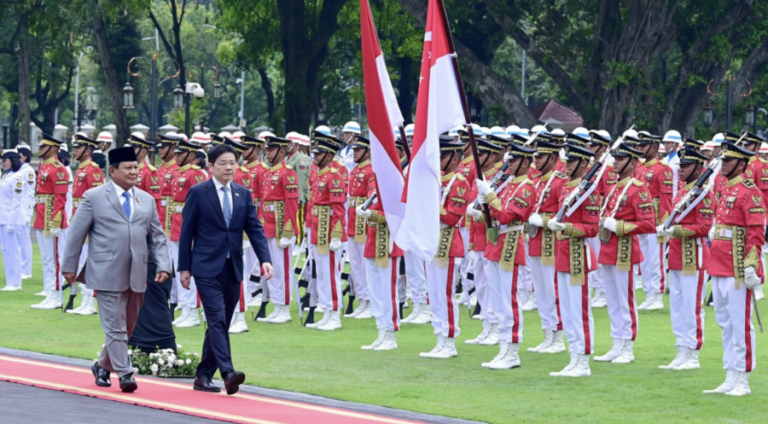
(697, 190)
(587, 183)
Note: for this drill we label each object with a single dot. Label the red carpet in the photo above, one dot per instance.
(175, 397)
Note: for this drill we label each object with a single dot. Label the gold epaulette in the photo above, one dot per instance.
(264, 165)
(151, 168)
(638, 183)
(748, 183)
(243, 169)
(56, 163)
(460, 177)
(195, 167)
(560, 175)
(333, 171)
(289, 167)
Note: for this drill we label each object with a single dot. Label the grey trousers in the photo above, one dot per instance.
(118, 312)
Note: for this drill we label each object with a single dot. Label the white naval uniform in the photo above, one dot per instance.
(28, 209)
(13, 224)
(382, 283)
(441, 285)
(733, 312)
(686, 311)
(576, 312)
(504, 294)
(283, 276)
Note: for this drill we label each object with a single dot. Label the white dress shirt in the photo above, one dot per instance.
(220, 193)
(119, 191)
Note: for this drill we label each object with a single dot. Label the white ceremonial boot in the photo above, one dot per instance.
(510, 360)
(581, 369)
(50, 302)
(83, 302)
(389, 342)
(326, 317)
(741, 388)
(193, 319)
(357, 311)
(42, 293)
(503, 348)
(425, 316)
(437, 348)
(599, 300)
(463, 298)
(183, 317)
(530, 304)
(549, 335)
(448, 350)
(682, 353)
(238, 323)
(557, 345)
(728, 384)
(334, 323)
(255, 301)
(612, 354)
(564, 371)
(12, 289)
(367, 312)
(650, 297)
(414, 313)
(493, 336)
(90, 306)
(480, 337)
(270, 317)
(627, 353)
(376, 343)
(284, 315)
(658, 302)
(691, 361)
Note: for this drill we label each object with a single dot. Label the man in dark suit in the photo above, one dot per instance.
(216, 214)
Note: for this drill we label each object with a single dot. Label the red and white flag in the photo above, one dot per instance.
(439, 109)
(383, 114)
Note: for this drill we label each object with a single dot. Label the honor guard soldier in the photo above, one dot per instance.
(30, 178)
(541, 248)
(600, 141)
(468, 171)
(166, 150)
(298, 159)
(688, 256)
(149, 178)
(442, 271)
(488, 153)
(279, 203)
(660, 182)
(186, 176)
(13, 217)
(99, 156)
(50, 218)
(575, 260)
(327, 228)
(361, 178)
(509, 210)
(256, 168)
(87, 176)
(673, 142)
(627, 213)
(735, 268)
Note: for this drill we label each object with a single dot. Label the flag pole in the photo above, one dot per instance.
(406, 148)
(467, 117)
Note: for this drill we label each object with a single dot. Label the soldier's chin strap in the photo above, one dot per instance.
(45, 152)
(735, 168)
(624, 168)
(186, 156)
(449, 161)
(362, 158)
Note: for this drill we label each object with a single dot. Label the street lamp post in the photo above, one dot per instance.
(709, 107)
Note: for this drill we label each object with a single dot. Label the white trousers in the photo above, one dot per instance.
(283, 277)
(504, 285)
(733, 312)
(576, 310)
(11, 254)
(382, 285)
(483, 287)
(622, 306)
(651, 266)
(357, 270)
(445, 310)
(186, 297)
(416, 277)
(464, 268)
(686, 300)
(328, 282)
(25, 243)
(546, 289)
(252, 268)
(596, 276)
(49, 255)
(525, 282)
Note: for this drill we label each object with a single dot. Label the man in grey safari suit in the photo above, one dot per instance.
(124, 234)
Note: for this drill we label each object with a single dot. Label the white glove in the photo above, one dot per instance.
(662, 232)
(610, 224)
(285, 242)
(55, 232)
(335, 245)
(474, 213)
(246, 244)
(10, 229)
(750, 278)
(536, 220)
(362, 213)
(483, 188)
(711, 234)
(554, 225)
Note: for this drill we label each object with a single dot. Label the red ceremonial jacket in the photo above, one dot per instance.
(377, 229)
(549, 206)
(183, 179)
(513, 208)
(328, 198)
(51, 195)
(634, 216)
(452, 211)
(280, 201)
(87, 176)
(582, 224)
(360, 179)
(659, 179)
(692, 230)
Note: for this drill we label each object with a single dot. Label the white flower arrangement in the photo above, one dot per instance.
(164, 362)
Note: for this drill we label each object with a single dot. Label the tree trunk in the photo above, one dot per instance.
(24, 92)
(110, 77)
(266, 85)
(406, 96)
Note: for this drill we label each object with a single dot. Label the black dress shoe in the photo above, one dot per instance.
(233, 380)
(128, 384)
(205, 384)
(102, 375)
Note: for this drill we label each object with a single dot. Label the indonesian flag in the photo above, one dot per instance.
(383, 114)
(439, 109)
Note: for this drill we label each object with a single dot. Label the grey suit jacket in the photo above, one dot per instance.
(118, 250)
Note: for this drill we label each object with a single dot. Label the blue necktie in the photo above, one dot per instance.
(127, 205)
(227, 207)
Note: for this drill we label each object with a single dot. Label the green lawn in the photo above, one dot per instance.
(331, 364)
